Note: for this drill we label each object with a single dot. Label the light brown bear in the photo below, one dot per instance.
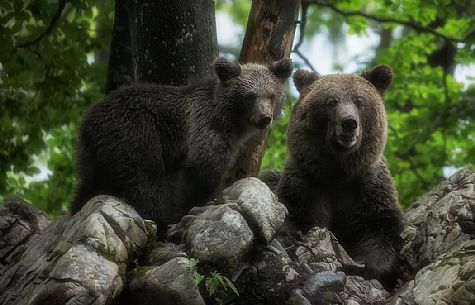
(336, 175)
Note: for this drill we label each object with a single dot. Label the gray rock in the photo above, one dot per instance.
(169, 284)
(83, 259)
(19, 222)
(322, 252)
(224, 231)
(450, 278)
(439, 221)
(78, 260)
(220, 235)
(325, 281)
(439, 250)
(262, 210)
(165, 252)
(359, 291)
(325, 286)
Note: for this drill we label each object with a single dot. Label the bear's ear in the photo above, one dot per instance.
(226, 70)
(380, 76)
(282, 69)
(303, 79)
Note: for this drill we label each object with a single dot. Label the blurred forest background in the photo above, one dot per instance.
(54, 56)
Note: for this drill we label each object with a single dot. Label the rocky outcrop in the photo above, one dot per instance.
(78, 260)
(107, 254)
(439, 250)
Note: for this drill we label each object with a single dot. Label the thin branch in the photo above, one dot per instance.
(296, 49)
(305, 59)
(382, 19)
(303, 21)
(49, 29)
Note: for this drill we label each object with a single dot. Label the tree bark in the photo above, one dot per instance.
(120, 70)
(269, 37)
(173, 41)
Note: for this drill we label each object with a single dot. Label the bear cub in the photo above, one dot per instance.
(336, 175)
(165, 149)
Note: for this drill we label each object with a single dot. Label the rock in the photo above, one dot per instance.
(325, 286)
(439, 221)
(322, 252)
(218, 235)
(262, 210)
(165, 252)
(439, 250)
(83, 259)
(268, 276)
(76, 260)
(224, 231)
(169, 284)
(19, 222)
(359, 291)
(451, 278)
(325, 281)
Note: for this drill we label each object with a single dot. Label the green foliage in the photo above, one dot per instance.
(238, 9)
(216, 285)
(217, 282)
(45, 87)
(193, 272)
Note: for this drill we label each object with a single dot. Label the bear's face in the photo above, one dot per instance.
(254, 92)
(342, 113)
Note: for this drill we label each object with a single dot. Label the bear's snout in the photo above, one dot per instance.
(262, 114)
(347, 125)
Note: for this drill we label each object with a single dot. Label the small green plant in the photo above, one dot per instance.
(215, 283)
(193, 272)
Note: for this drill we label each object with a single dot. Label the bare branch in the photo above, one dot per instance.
(303, 21)
(382, 19)
(296, 49)
(305, 59)
(49, 29)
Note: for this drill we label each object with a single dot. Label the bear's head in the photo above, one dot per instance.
(252, 92)
(340, 115)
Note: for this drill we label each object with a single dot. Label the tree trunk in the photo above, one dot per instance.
(269, 37)
(120, 69)
(174, 41)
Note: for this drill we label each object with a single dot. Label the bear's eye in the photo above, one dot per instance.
(332, 102)
(360, 103)
(250, 97)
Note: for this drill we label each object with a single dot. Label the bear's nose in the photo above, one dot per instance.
(265, 120)
(349, 123)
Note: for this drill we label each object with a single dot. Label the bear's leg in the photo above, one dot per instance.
(204, 168)
(308, 207)
(378, 250)
(83, 193)
(154, 198)
(376, 227)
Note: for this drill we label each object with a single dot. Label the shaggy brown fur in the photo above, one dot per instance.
(165, 149)
(336, 175)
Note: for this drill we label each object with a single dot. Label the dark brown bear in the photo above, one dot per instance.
(165, 149)
(336, 175)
